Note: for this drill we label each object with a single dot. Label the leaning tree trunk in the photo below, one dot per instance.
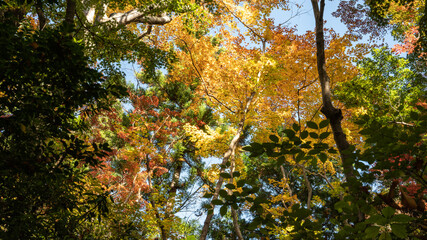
(333, 114)
(228, 156)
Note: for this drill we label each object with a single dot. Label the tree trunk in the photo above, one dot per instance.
(173, 187)
(234, 214)
(227, 156)
(333, 114)
(40, 14)
(70, 11)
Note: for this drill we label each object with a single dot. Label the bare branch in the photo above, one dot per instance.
(147, 32)
(135, 16)
(403, 123)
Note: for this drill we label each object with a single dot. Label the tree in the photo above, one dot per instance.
(46, 190)
(218, 75)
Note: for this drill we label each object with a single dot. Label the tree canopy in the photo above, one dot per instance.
(237, 125)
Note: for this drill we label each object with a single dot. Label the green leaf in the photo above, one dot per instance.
(223, 210)
(332, 150)
(375, 219)
(296, 127)
(385, 236)
(372, 232)
(223, 193)
(365, 131)
(399, 230)
(247, 148)
(305, 145)
(401, 218)
(302, 213)
(217, 202)
(324, 123)
(313, 152)
(324, 135)
(414, 115)
(230, 186)
(241, 183)
(312, 125)
(299, 157)
(252, 226)
(289, 133)
(388, 212)
(304, 134)
(256, 147)
(225, 175)
(340, 205)
(314, 135)
(420, 108)
(274, 138)
(323, 157)
(208, 195)
(281, 160)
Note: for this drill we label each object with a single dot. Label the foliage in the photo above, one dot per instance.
(81, 158)
(46, 190)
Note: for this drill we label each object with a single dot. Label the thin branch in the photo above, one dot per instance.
(318, 109)
(403, 123)
(317, 174)
(244, 24)
(203, 80)
(158, 129)
(147, 32)
(309, 188)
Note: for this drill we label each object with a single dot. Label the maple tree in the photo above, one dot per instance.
(310, 136)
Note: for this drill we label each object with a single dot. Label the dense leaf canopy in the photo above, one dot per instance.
(236, 126)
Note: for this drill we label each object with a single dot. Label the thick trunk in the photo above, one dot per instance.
(70, 11)
(125, 18)
(135, 16)
(159, 220)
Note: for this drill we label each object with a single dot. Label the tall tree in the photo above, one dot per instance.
(46, 189)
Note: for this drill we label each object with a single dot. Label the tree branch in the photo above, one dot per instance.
(135, 16)
(202, 79)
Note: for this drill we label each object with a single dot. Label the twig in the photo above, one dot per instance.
(203, 80)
